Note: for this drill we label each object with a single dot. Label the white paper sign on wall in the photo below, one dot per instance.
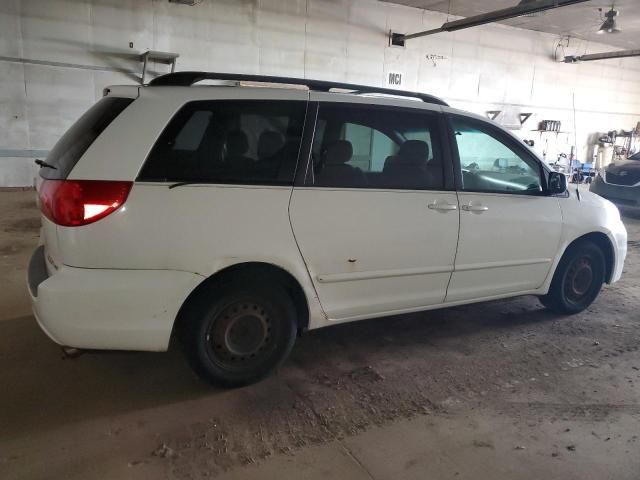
(394, 79)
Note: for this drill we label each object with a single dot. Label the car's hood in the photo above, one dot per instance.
(589, 199)
(624, 165)
(589, 212)
(590, 206)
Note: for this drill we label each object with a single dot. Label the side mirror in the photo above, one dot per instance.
(557, 183)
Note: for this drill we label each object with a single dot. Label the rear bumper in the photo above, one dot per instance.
(36, 274)
(628, 197)
(107, 309)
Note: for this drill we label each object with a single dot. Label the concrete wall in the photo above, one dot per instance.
(57, 55)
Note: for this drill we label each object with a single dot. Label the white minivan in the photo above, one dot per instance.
(232, 217)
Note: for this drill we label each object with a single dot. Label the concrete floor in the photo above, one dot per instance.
(501, 390)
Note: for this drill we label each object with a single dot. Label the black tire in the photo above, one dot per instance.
(577, 280)
(238, 332)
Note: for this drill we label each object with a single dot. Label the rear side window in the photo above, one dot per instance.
(373, 146)
(81, 135)
(229, 141)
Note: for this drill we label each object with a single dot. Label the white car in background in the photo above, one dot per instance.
(232, 218)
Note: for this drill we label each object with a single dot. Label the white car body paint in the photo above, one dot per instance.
(591, 213)
(405, 263)
(119, 283)
(112, 309)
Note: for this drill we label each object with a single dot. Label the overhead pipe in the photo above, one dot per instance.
(491, 17)
(601, 56)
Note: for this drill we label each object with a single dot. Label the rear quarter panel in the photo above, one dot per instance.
(197, 228)
(200, 229)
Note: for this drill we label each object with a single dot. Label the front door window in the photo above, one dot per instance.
(490, 165)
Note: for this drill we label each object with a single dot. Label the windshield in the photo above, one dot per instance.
(635, 156)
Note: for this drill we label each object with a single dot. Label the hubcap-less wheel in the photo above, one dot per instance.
(239, 330)
(579, 280)
(246, 334)
(240, 334)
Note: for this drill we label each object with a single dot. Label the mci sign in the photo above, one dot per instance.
(394, 79)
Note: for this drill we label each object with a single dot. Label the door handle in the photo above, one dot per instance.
(474, 208)
(442, 207)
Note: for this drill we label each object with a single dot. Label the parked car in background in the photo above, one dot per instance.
(232, 218)
(620, 182)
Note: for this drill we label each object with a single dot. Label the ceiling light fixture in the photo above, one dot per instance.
(602, 56)
(609, 25)
(490, 17)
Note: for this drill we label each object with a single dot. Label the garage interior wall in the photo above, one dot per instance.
(57, 55)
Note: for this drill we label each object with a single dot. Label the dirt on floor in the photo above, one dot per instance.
(498, 390)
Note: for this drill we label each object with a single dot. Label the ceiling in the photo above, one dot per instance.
(581, 20)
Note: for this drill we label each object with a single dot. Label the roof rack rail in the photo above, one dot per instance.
(186, 79)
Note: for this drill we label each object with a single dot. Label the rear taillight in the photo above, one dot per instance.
(73, 203)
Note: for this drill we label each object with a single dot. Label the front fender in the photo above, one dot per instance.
(587, 216)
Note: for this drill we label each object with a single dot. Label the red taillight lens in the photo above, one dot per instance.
(72, 203)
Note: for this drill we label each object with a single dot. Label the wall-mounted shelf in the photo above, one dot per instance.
(167, 58)
(550, 131)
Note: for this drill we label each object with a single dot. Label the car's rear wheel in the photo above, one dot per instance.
(577, 279)
(237, 334)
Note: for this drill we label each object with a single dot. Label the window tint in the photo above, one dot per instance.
(72, 145)
(368, 146)
(190, 136)
(489, 165)
(229, 141)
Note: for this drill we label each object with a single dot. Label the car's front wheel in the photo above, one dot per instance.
(238, 333)
(577, 279)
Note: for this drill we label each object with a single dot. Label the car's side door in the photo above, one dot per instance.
(375, 212)
(510, 228)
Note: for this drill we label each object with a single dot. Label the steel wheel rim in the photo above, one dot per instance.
(580, 279)
(239, 335)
